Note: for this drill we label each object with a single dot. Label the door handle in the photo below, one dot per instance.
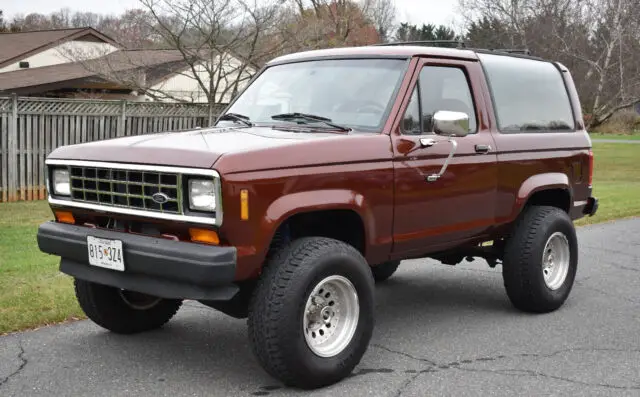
(427, 142)
(483, 148)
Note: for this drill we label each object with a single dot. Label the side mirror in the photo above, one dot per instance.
(451, 124)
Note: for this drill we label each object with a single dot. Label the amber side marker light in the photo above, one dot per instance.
(244, 204)
(65, 217)
(204, 236)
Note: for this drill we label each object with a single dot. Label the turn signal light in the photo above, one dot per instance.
(244, 204)
(65, 217)
(204, 236)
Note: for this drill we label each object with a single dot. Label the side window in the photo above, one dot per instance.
(529, 95)
(411, 120)
(445, 88)
(439, 88)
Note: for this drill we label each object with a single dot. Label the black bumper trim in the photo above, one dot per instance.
(156, 266)
(592, 206)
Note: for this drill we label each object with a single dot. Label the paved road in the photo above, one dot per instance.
(615, 141)
(440, 331)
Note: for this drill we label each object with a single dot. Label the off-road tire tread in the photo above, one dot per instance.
(103, 306)
(268, 298)
(518, 259)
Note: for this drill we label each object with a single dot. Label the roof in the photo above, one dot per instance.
(17, 46)
(400, 50)
(169, 61)
(407, 51)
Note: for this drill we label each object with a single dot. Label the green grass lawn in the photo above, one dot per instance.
(616, 183)
(33, 292)
(634, 137)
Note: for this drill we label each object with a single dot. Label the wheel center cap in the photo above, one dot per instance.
(320, 313)
(327, 314)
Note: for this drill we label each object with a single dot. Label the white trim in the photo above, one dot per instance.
(138, 167)
(127, 211)
(217, 221)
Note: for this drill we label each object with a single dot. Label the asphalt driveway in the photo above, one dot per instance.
(440, 331)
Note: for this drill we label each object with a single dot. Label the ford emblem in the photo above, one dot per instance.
(160, 198)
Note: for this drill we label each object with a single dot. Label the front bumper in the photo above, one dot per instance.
(155, 266)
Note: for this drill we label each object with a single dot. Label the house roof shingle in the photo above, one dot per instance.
(119, 61)
(17, 46)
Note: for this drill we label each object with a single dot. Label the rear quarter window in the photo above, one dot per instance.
(528, 95)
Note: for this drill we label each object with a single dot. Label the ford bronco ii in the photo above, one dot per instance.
(330, 168)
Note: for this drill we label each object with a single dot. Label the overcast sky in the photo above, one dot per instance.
(415, 11)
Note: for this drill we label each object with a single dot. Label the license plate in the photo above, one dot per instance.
(105, 253)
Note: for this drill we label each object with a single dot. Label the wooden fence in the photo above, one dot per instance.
(30, 128)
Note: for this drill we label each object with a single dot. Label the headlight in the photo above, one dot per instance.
(202, 195)
(60, 182)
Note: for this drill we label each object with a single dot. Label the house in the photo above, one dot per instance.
(27, 50)
(80, 63)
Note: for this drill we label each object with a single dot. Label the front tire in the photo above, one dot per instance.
(124, 312)
(311, 315)
(540, 260)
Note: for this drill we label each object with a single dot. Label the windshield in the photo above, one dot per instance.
(355, 93)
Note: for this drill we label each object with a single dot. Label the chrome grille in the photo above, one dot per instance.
(126, 188)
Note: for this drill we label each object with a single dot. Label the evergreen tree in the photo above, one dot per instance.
(426, 32)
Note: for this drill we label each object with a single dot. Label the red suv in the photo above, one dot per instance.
(327, 171)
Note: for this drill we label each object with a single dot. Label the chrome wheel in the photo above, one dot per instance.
(555, 260)
(331, 316)
(138, 300)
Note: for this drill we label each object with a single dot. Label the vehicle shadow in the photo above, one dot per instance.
(210, 349)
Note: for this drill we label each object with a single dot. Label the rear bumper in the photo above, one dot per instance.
(155, 266)
(592, 206)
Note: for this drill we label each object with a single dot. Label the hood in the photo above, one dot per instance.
(197, 148)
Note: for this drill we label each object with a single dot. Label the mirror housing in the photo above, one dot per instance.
(451, 124)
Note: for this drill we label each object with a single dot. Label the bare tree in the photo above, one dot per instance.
(3, 25)
(612, 58)
(132, 29)
(218, 40)
(83, 19)
(313, 24)
(383, 15)
(599, 40)
(210, 48)
(60, 19)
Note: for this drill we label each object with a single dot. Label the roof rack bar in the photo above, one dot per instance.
(426, 43)
(525, 51)
(459, 44)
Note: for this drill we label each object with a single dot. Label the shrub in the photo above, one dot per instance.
(626, 122)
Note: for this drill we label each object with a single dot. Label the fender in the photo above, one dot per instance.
(316, 200)
(537, 183)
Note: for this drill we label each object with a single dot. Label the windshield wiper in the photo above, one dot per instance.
(309, 117)
(240, 118)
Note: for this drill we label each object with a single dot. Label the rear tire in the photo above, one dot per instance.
(540, 260)
(311, 315)
(124, 312)
(383, 271)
